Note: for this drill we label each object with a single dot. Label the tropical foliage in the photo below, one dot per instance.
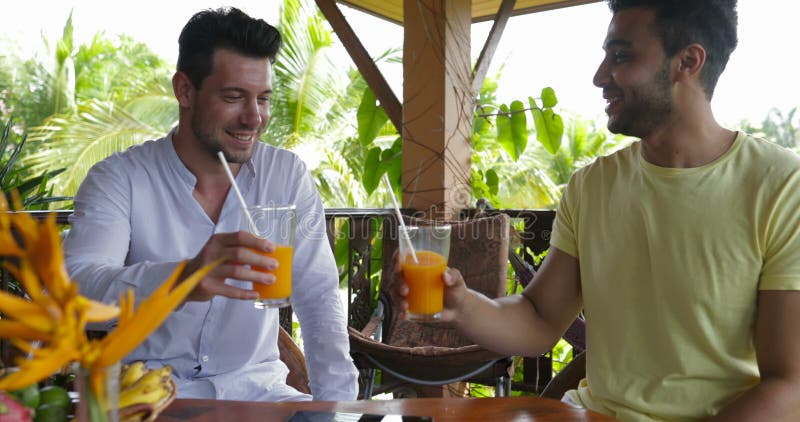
(315, 103)
(116, 93)
(783, 129)
(32, 190)
(310, 104)
(95, 99)
(506, 168)
(99, 98)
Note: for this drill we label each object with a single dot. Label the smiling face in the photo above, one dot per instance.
(230, 110)
(635, 74)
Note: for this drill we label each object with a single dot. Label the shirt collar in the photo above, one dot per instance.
(187, 176)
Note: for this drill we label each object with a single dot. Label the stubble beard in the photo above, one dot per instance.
(207, 141)
(650, 106)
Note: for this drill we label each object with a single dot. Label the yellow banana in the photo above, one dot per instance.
(131, 374)
(151, 387)
(153, 376)
(145, 393)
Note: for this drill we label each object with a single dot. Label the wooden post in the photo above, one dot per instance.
(437, 106)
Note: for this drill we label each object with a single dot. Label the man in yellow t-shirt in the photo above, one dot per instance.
(683, 249)
(672, 262)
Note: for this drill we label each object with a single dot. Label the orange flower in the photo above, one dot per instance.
(51, 325)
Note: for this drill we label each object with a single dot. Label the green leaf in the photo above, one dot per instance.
(492, 181)
(549, 99)
(549, 129)
(395, 171)
(371, 118)
(519, 129)
(392, 162)
(372, 174)
(504, 134)
(480, 125)
(33, 190)
(532, 102)
(555, 127)
(341, 247)
(541, 130)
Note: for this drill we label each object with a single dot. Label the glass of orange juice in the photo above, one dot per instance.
(276, 223)
(423, 269)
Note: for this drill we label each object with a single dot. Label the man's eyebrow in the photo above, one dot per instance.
(616, 43)
(233, 89)
(243, 91)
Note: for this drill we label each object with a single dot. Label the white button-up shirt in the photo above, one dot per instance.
(135, 219)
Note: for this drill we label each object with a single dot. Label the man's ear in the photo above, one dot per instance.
(691, 61)
(183, 88)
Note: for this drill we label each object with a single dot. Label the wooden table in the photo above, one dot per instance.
(440, 409)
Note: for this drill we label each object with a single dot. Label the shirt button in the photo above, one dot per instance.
(205, 358)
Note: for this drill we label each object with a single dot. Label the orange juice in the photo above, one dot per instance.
(282, 287)
(425, 284)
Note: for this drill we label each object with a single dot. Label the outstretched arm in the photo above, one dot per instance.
(526, 325)
(775, 398)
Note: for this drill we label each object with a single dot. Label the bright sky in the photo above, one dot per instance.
(557, 48)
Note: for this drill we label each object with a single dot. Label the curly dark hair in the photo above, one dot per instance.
(710, 23)
(228, 28)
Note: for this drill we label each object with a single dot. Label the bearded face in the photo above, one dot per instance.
(640, 109)
(635, 74)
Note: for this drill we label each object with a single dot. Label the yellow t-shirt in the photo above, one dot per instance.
(671, 261)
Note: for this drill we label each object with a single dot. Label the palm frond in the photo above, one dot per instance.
(31, 189)
(308, 83)
(99, 130)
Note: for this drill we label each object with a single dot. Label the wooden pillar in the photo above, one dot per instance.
(437, 106)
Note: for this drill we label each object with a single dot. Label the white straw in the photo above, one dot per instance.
(236, 190)
(403, 231)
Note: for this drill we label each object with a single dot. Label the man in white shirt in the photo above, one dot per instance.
(140, 212)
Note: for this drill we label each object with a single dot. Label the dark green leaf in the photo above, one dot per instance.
(392, 163)
(39, 182)
(492, 181)
(372, 173)
(395, 171)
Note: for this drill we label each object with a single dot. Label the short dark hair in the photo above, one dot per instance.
(679, 23)
(227, 28)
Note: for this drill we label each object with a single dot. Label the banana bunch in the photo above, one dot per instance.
(143, 391)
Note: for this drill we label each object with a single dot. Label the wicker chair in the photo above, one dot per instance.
(435, 354)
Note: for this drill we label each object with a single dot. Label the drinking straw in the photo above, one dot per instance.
(236, 190)
(403, 231)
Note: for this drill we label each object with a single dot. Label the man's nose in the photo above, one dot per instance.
(251, 114)
(601, 75)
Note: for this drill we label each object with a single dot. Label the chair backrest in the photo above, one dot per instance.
(567, 379)
(478, 249)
